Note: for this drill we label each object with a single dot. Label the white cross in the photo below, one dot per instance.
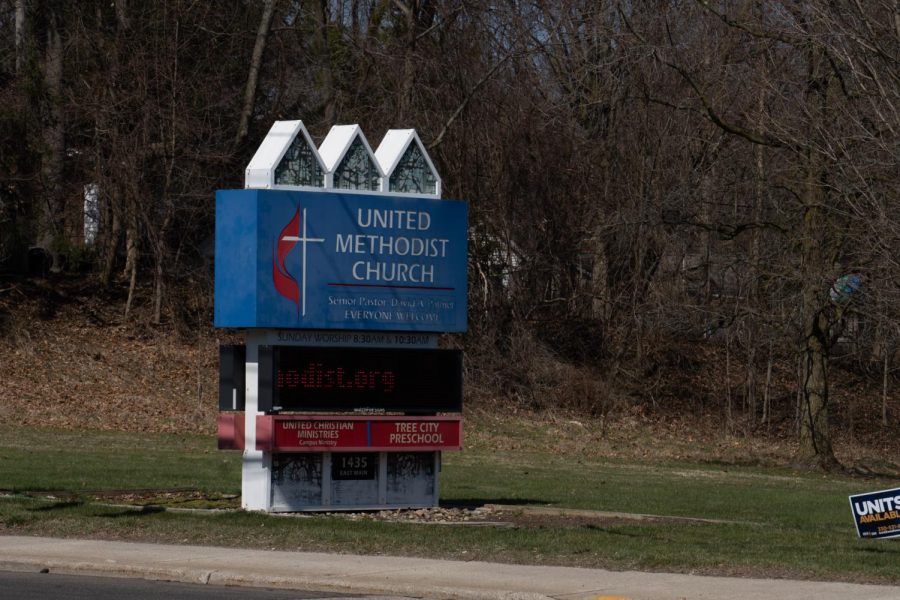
(303, 239)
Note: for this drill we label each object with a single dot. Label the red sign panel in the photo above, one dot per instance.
(416, 434)
(231, 431)
(288, 433)
(301, 434)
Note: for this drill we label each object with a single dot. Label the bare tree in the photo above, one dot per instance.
(262, 34)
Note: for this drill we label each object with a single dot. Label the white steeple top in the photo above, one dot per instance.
(338, 141)
(260, 172)
(393, 147)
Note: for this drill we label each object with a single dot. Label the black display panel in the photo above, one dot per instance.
(411, 381)
(232, 369)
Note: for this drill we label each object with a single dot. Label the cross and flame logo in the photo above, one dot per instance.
(285, 283)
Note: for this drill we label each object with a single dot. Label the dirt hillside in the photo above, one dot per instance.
(69, 359)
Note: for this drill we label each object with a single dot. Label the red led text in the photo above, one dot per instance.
(317, 376)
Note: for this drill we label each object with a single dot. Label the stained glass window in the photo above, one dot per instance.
(413, 173)
(299, 166)
(357, 170)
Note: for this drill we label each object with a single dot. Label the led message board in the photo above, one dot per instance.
(300, 378)
(329, 260)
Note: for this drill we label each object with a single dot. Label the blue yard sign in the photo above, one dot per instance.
(877, 514)
(327, 260)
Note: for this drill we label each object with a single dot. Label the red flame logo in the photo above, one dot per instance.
(285, 283)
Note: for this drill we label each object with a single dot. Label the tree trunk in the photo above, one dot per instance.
(111, 243)
(330, 109)
(897, 21)
(265, 24)
(50, 228)
(160, 258)
(132, 284)
(131, 257)
(767, 390)
(104, 133)
(122, 14)
(752, 377)
(815, 437)
(729, 412)
(158, 290)
(20, 35)
(888, 349)
(409, 68)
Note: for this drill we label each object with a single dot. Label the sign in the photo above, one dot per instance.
(377, 339)
(231, 431)
(329, 260)
(297, 378)
(354, 466)
(296, 433)
(877, 514)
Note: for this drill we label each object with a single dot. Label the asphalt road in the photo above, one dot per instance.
(50, 586)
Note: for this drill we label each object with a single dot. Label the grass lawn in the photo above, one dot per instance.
(777, 522)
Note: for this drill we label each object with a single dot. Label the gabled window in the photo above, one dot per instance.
(413, 174)
(299, 166)
(357, 170)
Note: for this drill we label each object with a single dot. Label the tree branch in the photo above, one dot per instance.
(751, 136)
(462, 106)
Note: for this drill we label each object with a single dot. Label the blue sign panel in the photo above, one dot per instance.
(327, 260)
(877, 514)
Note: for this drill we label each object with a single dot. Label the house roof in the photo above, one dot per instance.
(338, 141)
(261, 168)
